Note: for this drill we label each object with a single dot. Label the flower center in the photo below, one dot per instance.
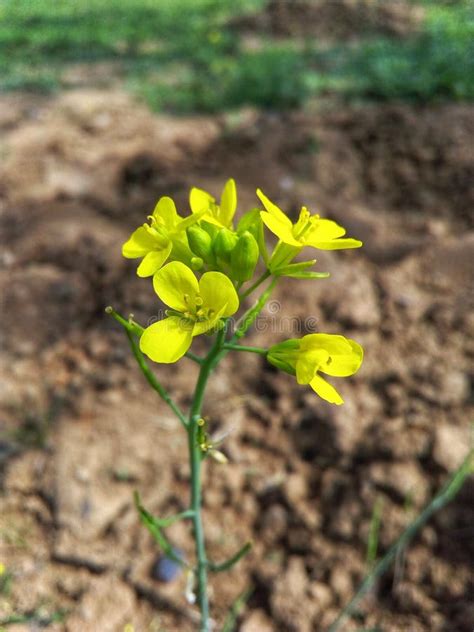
(157, 231)
(196, 313)
(305, 222)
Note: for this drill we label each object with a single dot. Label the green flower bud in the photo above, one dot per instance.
(200, 242)
(252, 222)
(196, 263)
(223, 245)
(211, 229)
(284, 354)
(244, 257)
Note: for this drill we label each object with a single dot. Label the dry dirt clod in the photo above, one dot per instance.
(451, 445)
(257, 621)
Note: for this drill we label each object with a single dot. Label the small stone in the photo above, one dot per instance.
(407, 480)
(290, 605)
(295, 488)
(257, 621)
(274, 523)
(451, 445)
(321, 594)
(341, 583)
(165, 569)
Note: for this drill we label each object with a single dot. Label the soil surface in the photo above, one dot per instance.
(81, 429)
(330, 20)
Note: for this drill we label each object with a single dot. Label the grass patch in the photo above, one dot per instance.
(186, 56)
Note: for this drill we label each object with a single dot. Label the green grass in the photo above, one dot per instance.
(185, 55)
(437, 64)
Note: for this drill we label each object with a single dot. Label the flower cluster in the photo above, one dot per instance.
(175, 249)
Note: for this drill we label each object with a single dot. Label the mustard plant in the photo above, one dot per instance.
(204, 267)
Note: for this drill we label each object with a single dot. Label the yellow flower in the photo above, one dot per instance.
(309, 230)
(196, 307)
(220, 215)
(156, 240)
(318, 353)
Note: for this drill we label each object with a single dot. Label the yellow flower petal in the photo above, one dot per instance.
(217, 291)
(177, 286)
(336, 244)
(153, 261)
(346, 354)
(228, 203)
(139, 244)
(324, 230)
(199, 200)
(308, 363)
(325, 390)
(273, 209)
(165, 212)
(167, 340)
(281, 229)
(206, 325)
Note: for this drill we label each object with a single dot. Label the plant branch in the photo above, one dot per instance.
(231, 347)
(194, 357)
(130, 329)
(155, 525)
(251, 315)
(446, 495)
(255, 285)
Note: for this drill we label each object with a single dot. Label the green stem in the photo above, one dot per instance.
(194, 357)
(255, 285)
(447, 493)
(131, 330)
(231, 347)
(251, 315)
(196, 457)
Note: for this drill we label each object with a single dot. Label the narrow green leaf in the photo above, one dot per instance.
(308, 275)
(232, 561)
(293, 267)
(154, 526)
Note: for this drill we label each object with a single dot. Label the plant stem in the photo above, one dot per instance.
(194, 357)
(195, 457)
(147, 372)
(132, 330)
(255, 285)
(251, 315)
(447, 493)
(231, 347)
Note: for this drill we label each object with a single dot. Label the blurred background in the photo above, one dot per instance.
(361, 110)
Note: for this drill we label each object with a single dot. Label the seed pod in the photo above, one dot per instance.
(223, 245)
(200, 242)
(244, 257)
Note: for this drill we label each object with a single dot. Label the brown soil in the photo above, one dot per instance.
(335, 19)
(81, 430)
